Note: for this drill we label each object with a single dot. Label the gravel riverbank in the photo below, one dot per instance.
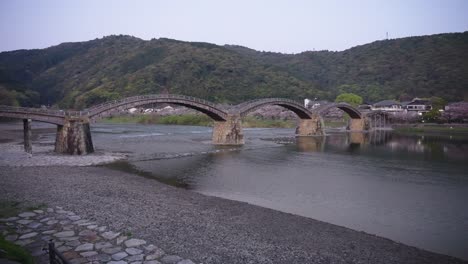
(204, 229)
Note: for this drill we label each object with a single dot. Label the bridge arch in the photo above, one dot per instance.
(247, 107)
(214, 111)
(352, 111)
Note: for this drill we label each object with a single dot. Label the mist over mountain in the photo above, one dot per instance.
(76, 75)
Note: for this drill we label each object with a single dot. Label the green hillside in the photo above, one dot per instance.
(76, 75)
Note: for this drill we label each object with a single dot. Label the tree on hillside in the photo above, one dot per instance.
(438, 103)
(350, 98)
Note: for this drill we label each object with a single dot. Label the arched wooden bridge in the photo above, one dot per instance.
(74, 137)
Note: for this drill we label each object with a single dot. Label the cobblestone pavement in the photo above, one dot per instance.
(80, 240)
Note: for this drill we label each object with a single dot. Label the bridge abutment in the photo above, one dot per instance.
(228, 132)
(310, 127)
(74, 137)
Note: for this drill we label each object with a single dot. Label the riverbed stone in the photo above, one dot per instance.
(152, 262)
(64, 234)
(110, 235)
(135, 257)
(80, 221)
(117, 262)
(111, 250)
(88, 254)
(73, 243)
(63, 248)
(157, 253)
(119, 256)
(185, 261)
(29, 235)
(100, 258)
(38, 211)
(49, 232)
(27, 214)
(45, 219)
(85, 247)
(92, 227)
(78, 261)
(51, 222)
(71, 254)
(87, 232)
(134, 242)
(24, 221)
(46, 238)
(121, 239)
(170, 259)
(34, 225)
(101, 245)
(133, 251)
(24, 231)
(69, 238)
(9, 219)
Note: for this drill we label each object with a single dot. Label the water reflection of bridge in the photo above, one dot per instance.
(347, 140)
(74, 136)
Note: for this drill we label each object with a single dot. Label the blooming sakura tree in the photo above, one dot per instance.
(456, 112)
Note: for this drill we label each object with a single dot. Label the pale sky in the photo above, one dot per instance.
(289, 26)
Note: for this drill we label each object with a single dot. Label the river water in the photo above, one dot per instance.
(409, 188)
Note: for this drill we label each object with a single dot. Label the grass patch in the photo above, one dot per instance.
(13, 208)
(14, 252)
(9, 209)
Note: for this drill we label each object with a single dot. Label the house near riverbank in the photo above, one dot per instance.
(387, 106)
(418, 105)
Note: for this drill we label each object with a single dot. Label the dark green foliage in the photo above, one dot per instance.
(77, 75)
(350, 98)
(14, 252)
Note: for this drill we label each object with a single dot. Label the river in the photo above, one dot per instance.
(409, 188)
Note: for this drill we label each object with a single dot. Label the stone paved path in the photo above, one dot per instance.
(80, 240)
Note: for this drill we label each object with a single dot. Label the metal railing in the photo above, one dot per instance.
(41, 111)
(266, 100)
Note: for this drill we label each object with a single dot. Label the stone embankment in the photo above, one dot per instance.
(80, 240)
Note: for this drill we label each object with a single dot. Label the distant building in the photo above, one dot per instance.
(387, 105)
(418, 105)
(314, 104)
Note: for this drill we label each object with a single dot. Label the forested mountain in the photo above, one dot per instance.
(76, 75)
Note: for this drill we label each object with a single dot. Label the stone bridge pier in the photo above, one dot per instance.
(74, 136)
(358, 124)
(228, 132)
(310, 127)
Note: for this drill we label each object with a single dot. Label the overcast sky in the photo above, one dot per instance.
(287, 26)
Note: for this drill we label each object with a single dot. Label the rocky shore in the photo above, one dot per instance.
(194, 226)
